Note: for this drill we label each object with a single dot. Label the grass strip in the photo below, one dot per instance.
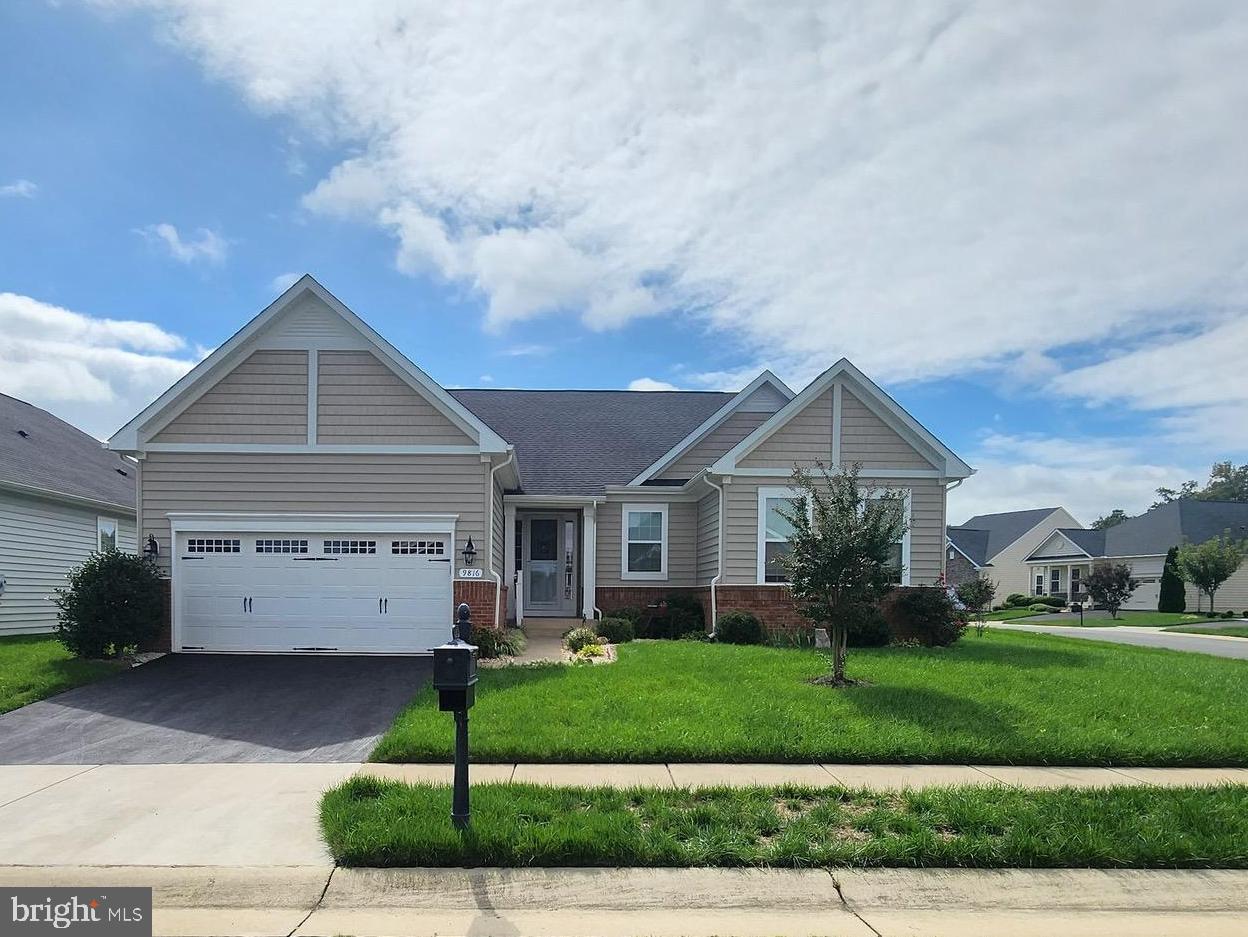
(36, 666)
(1233, 631)
(373, 822)
(1004, 698)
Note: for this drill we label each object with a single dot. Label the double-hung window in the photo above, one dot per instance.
(774, 530)
(105, 534)
(643, 550)
(899, 557)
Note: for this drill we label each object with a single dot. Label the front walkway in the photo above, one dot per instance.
(1216, 644)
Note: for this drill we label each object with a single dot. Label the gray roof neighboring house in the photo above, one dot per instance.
(41, 452)
(1165, 526)
(1002, 529)
(972, 543)
(576, 442)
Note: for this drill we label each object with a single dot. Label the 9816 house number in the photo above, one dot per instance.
(467, 573)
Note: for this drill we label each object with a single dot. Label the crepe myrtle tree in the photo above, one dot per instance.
(1110, 584)
(840, 551)
(1209, 564)
(977, 595)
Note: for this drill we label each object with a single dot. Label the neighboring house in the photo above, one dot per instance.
(310, 488)
(997, 545)
(62, 497)
(1059, 564)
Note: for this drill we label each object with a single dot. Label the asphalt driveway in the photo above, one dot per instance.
(1217, 645)
(187, 708)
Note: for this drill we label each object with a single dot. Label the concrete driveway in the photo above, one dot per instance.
(219, 708)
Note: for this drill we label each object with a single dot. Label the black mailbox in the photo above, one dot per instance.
(455, 675)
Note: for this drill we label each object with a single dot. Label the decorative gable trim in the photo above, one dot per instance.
(742, 401)
(134, 436)
(947, 462)
(1060, 541)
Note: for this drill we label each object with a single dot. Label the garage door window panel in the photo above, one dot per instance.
(211, 545)
(350, 546)
(281, 546)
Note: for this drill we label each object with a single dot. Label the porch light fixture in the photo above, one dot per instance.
(470, 553)
(151, 549)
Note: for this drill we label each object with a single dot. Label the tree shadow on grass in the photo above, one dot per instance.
(943, 714)
(1029, 655)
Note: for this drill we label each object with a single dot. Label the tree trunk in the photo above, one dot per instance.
(840, 641)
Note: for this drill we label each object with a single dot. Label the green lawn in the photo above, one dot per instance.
(36, 666)
(1004, 698)
(371, 822)
(1009, 614)
(1234, 631)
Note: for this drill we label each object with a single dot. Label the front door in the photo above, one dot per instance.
(549, 564)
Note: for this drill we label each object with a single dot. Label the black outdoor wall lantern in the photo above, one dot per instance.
(470, 552)
(151, 549)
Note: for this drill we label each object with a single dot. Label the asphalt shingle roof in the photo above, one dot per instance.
(1003, 529)
(973, 543)
(58, 457)
(1170, 524)
(575, 442)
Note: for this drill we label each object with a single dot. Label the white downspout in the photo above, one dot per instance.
(489, 534)
(719, 555)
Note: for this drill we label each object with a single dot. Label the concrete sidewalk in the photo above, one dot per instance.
(312, 902)
(266, 814)
(880, 777)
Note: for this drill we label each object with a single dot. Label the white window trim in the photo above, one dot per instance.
(784, 491)
(99, 532)
(765, 492)
(625, 572)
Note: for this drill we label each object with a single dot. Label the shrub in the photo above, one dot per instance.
(616, 630)
(684, 614)
(498, 642)
(924, 614)
(578, 638)
(1017, 600)
(867, 628)
(1052, 601)
(111, 604)
(1041, 607)
(739, 627)
(1172, 597)
(632, 614)
(591, 650)
(1228, 614)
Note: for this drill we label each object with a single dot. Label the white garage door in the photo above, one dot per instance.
(1145, 596)
(283, 592)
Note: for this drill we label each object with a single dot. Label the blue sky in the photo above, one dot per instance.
(1034, 241)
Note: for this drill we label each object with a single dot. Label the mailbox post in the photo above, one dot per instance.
(455, 679)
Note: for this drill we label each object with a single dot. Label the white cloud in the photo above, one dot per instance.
(1089, 477)
(527, 351)
(19, 188)
(96, 373)
(649, 383)
(284, 281)
(964, 182)
(207, 245)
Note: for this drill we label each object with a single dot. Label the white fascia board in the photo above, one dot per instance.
(81, 501)
(893, 414)
(551, 501)
(710, 424)
(1033, 555)
(182, 522)
(184, 392)
(950, 543)
(291, 448)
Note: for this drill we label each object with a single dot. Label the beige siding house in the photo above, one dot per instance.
(310, 489)
(1062, 561)
(62, 498)
(998, 545)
